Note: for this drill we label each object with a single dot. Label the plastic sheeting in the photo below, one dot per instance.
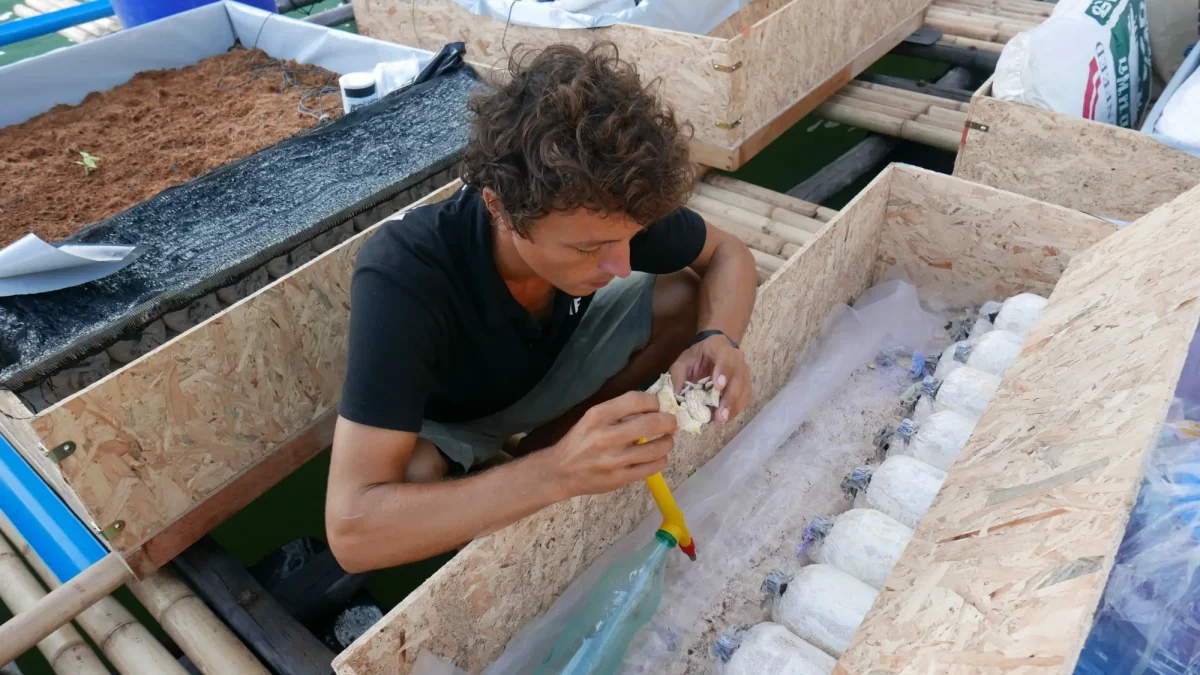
(66, 76)
(1175, 119)
(687, 16)
(1148, 622)
(721, 499)
(202, 234)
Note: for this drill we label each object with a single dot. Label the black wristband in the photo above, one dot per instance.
(705, 334)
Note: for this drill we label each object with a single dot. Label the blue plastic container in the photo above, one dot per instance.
(136, 12)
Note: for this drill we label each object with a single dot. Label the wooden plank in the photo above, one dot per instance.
(971, 243)
(173, 429)
(279, 640)
(1091, 167)
(846, 169)
(474, 604)
(1006, 570)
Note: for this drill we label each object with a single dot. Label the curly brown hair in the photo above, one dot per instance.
(570, 129)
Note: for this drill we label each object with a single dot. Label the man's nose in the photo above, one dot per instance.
(616, 263)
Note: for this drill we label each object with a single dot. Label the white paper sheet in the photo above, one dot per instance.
(30, 265)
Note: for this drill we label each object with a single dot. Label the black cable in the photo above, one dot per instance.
(289, 78)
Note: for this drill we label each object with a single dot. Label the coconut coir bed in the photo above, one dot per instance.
(211, 231)
(160, 129)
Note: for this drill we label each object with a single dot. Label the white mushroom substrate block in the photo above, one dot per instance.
(901, 487)
(770, 649)
(937, 442)
(1019, 313)
(824, 606)
(864, 543)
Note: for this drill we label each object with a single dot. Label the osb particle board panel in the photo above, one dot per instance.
(473, 605)
(1006, 570)
(169, 431)
(798, 48)
(1091, 167)
(746, 17)
(972, 243)
(685, 62)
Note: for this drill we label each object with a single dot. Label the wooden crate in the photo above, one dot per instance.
(741, 86)
(966, 242)
(1007, 568)
(175, 442)
(1091, 167)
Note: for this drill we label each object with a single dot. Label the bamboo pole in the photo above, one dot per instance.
(884, 97)
(767, 261)
(881, 108)
(909, 130)
(825, 214)
(855, 87)
(126, 643)
(752, 237)
(761, 275)
(940, 122)
(963, 28)
(65, 649)
(970, 43)
(73, 34)
(1042, 9)
(789, 233)
(762, 194)
(48, 6)
(947, 114)
(207, 642)
(760, 207)
(986, 18)
(61, 605)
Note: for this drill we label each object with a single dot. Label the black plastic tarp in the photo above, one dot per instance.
(201, 235)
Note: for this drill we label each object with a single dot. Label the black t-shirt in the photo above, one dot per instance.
(430, 314)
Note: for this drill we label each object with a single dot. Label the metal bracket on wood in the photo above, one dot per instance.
(113, 530)
(727, 69)
(977, 126)
(729, 125)
(61, 451)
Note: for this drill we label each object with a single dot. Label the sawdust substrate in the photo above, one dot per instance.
(160, 129)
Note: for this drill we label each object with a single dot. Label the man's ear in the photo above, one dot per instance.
(495, 207)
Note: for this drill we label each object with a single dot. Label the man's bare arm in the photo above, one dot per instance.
(374, 519)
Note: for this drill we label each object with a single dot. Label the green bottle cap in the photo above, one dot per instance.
(666, 538)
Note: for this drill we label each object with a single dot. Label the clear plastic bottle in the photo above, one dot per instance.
(624, 601)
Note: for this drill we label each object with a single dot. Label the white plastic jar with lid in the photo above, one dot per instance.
(358, 89)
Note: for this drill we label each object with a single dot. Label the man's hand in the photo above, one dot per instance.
(600, 453)
(716, 357)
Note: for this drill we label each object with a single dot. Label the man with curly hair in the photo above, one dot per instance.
(564, 277)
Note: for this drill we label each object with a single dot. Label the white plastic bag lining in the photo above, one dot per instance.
(688, 16)
(720, 500)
